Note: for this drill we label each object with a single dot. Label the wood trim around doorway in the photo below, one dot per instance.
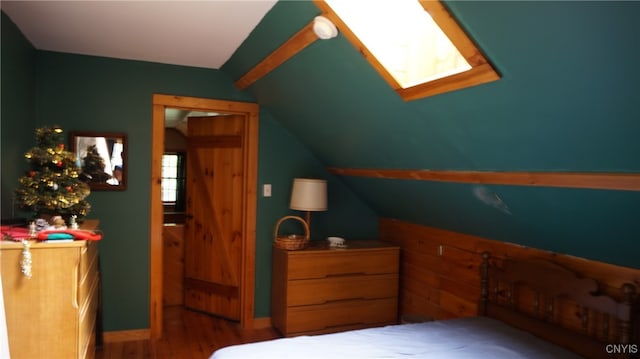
(247, 284)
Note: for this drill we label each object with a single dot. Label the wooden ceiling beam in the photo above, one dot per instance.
(294, 45)
(605, 181)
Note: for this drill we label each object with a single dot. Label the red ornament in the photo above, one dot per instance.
(69, 189)
(32, 173)
(61, 146)
(59, 164)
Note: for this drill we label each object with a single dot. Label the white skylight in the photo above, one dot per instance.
(403, 37)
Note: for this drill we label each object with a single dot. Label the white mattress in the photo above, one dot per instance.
(476, 337)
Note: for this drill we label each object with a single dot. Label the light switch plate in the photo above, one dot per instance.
(266, 190)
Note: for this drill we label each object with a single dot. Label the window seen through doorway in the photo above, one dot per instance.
(173, 181)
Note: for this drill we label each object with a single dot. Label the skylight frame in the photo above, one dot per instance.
(481, 70)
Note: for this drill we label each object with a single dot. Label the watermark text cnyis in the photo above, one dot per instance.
(622, 348)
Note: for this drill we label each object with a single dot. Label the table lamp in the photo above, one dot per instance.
(309, 195)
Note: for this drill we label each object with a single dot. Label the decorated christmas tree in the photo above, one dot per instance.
(93, 166)
(51, 185)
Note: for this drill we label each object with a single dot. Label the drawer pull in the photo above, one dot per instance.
(74, 287)
(345, 274)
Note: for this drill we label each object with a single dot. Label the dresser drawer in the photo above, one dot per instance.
(336, 288)
(87, 321)
(88, 258)
(317, 264)
(332, 316)
(88, 278)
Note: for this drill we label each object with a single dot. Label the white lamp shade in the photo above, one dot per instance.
(309, 194)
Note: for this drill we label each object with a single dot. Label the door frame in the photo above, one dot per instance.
(250, 112)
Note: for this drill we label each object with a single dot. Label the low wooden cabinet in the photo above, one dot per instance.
(53, 313)
(322, 290)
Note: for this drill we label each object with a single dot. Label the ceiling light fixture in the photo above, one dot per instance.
(324, 28)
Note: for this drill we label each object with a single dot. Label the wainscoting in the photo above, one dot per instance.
(440, 270)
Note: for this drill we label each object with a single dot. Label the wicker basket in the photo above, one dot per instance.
(291, 242)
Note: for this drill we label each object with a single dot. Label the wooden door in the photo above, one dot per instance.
(214, 228)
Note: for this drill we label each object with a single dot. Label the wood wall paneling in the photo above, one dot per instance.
(440, 274)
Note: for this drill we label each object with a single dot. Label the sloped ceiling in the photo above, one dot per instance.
(567, 101)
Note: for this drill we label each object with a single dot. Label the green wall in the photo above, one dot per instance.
(17, 110)
(85, 93)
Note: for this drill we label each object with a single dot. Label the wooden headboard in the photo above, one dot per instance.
(533, 294)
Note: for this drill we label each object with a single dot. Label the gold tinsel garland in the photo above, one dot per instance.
(52, 184)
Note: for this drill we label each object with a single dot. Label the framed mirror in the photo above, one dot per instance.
(103, 159)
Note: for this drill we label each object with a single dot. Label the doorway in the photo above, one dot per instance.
(249, 112)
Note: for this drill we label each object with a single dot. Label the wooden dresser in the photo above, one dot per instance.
(322, 290)
(53, 313)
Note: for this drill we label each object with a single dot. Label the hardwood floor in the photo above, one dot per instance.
(187, 335)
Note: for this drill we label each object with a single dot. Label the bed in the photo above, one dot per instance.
(519, 317)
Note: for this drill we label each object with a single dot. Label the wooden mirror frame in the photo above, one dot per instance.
(78, 140)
